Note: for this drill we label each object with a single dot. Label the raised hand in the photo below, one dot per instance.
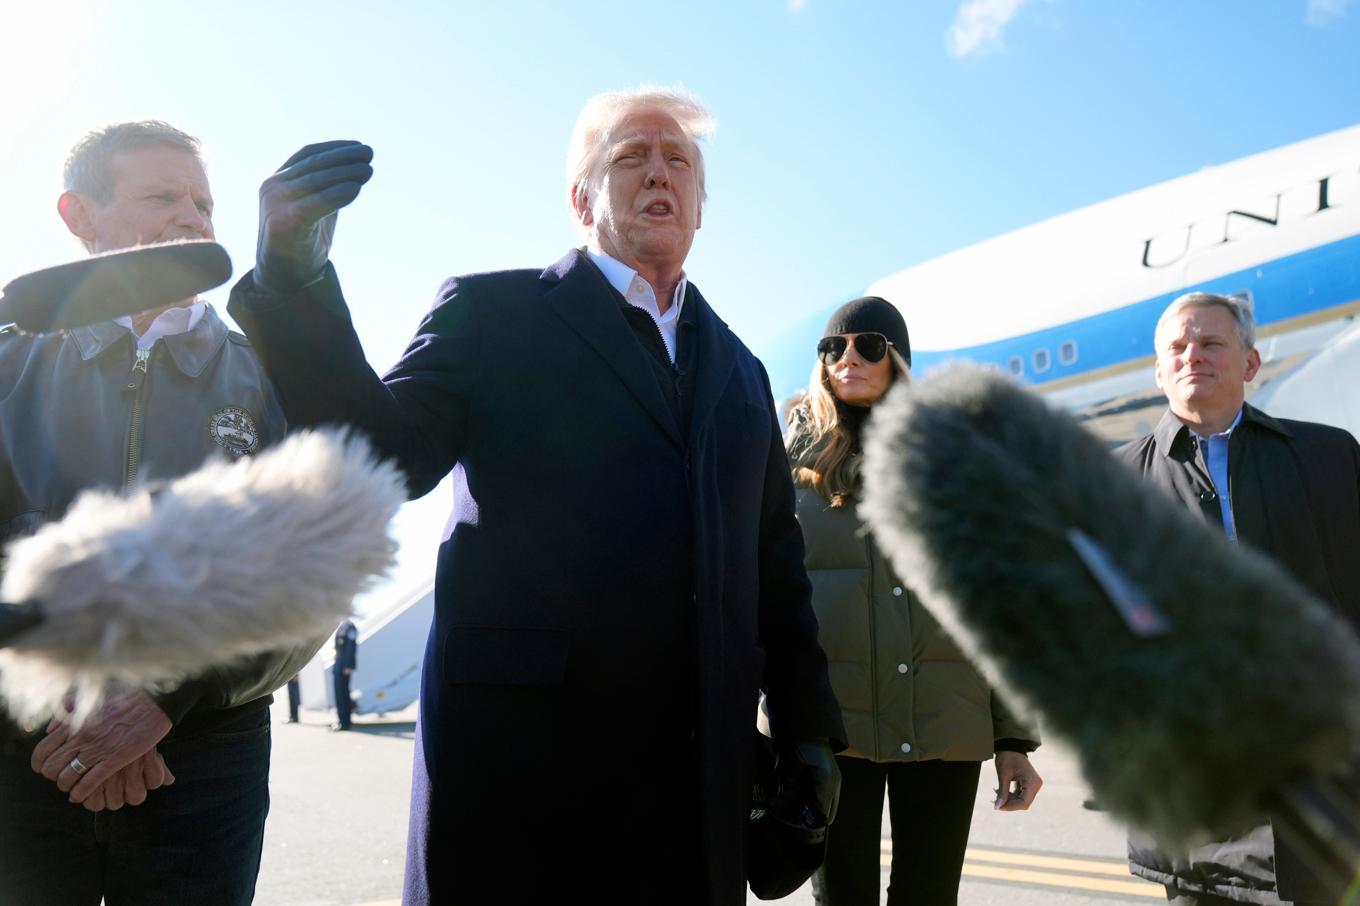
(298, 206)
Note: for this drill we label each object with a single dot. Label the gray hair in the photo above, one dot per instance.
(1244, 320)
(89, 167)
(605, 111)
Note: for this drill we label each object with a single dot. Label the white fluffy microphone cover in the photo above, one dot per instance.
(234, 559)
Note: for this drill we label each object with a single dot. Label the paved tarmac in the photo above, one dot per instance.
(337, 828)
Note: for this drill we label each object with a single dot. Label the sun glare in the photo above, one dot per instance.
(43, 43)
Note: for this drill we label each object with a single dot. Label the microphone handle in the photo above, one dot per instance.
(17, 618)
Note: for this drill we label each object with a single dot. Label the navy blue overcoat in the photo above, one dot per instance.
(612, 591)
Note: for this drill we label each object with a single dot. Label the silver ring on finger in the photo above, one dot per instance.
(78, 766)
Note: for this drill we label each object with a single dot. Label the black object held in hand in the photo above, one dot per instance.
(808, 768)
(786, 841)
(111, 285)
(1200, 685)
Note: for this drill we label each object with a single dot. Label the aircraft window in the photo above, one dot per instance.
(1244, 295)
(1041, 361)
(1017, 365)
(1067, 353)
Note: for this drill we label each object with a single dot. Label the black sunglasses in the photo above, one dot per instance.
(872, 347)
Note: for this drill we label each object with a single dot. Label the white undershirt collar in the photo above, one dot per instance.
(639, 293)
(180, 319)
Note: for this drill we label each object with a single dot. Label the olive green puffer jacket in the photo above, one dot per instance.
(906, 691)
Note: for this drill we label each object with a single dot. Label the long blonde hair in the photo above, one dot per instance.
(822, 448)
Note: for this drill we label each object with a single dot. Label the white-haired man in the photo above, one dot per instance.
(160, 798)
(622, 573)
(1289, 489)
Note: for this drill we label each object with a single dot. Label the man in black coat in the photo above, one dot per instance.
(622, 573)
(1289, 489)
(346, 661)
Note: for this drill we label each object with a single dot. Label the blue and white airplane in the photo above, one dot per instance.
(1069, 304)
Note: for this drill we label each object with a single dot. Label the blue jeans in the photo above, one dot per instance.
(195, 842)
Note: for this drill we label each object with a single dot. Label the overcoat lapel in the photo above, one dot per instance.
(585, 301)
(716, 356)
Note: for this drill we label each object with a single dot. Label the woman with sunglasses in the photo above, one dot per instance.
(920, 718)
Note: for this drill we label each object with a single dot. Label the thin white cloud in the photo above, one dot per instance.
(797, 6)
(1322, 13)
(980, 24)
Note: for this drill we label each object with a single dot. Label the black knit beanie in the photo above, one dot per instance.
(870, 314)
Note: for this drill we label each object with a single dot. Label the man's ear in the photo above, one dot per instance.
(580, 203)
(1253, 364)
(75, 212)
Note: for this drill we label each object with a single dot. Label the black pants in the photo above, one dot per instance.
(931, 807)
(343, 703)
(294, 700)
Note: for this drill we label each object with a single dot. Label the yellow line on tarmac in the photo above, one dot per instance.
(1078, 882)
(1065, 873)
(1118, 868)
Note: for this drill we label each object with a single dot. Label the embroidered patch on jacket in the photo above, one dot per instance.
(233, 429)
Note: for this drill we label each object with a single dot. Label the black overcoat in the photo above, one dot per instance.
(1295, 490)
(613, 589)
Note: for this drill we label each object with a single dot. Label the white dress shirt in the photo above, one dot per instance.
(640, 294)
(180, 319)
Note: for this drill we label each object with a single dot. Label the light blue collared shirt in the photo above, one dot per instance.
(640, 294)
(1216, 458)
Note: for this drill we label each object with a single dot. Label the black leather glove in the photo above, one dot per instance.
(810, 767)
(297, 211)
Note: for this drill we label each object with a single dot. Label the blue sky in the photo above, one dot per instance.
(854, 138)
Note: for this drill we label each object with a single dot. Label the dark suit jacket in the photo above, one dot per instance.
(612, 591)
(1296, 497)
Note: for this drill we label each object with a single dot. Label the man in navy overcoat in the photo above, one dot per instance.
(622, 573)
(346, 662)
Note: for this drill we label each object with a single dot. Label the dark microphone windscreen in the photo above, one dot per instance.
(1192, 695)
(109, 285)
(163, 582)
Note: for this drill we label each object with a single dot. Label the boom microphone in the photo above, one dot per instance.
(1200, 685)
(110, 285)
(231, 560)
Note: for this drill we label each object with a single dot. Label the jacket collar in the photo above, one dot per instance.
(583, 298)
(191, 351)
(1172, 436)
(715, 356)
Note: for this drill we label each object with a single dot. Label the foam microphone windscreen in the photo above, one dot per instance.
(1194, 679)
(231, 560)
(109, 285)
